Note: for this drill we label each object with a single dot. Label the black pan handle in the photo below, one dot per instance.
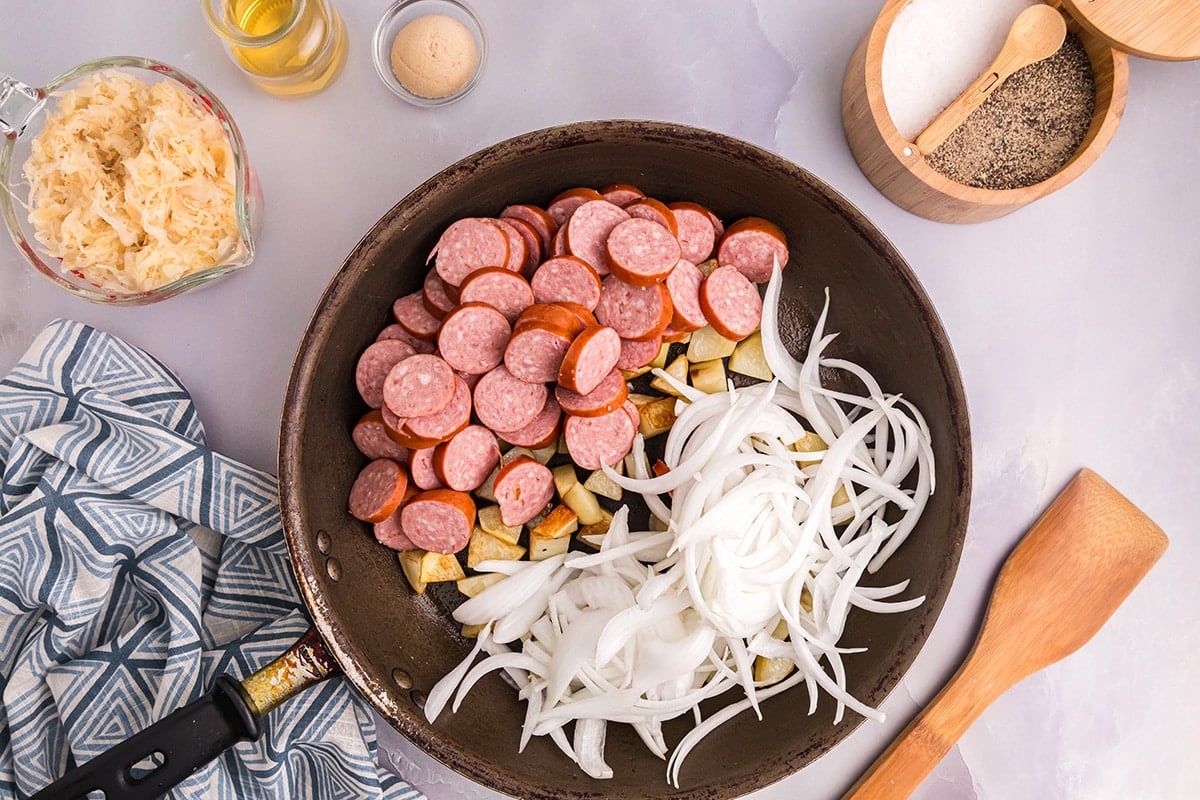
(150, 763)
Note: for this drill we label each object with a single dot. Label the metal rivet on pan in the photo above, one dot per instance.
(418, 698)
(402, 678)
(323, 541)
(334, 568)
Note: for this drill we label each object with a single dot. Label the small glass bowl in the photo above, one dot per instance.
(403, 12)
(14, 189)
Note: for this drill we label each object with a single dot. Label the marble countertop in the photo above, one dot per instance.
(1074, 320)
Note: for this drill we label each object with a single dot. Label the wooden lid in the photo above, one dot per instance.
(1167, 30)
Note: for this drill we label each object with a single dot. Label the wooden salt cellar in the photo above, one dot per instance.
(1161, 29)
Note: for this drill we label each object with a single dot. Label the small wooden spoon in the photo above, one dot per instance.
(1057, 588)
(1036, 33)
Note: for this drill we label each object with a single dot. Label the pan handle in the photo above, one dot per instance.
(150, 763)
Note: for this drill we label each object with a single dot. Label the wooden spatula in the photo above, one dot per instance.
(1057, 588)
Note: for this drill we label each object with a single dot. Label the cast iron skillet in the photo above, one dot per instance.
(394, 645)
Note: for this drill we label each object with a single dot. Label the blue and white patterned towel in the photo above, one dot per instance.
(136, 565)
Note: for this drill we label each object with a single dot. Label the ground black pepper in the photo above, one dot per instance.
(1028, 129)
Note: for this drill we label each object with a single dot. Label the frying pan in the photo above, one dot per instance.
(394, 645)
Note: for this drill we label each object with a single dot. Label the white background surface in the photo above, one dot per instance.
(1074, 320)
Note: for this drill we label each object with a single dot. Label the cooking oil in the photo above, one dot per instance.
(288, 47)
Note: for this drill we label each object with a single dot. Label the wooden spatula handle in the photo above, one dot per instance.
(912, 756)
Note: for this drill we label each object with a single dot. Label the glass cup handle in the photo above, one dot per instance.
(19, 103)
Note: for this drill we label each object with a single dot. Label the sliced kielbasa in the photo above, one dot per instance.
(731, 303)
(590, 358)
(371, 438)
(507, 403)
(606, 439)
(414, 317)
(473, 338)
(419, 385)
(564, 205)
(634, 312)
(444, 423)
(378, 490)
(566, 278)
(684, 285)
(465, 461)
(655, 211)
(696, 233)
(523, 487)
(607, 396)
(439, 520)
(507, 292)
(467, 245)
(542, 431)
(641, 252)
(396, 331)
(588, 230)
(537, 218)
(752, 245)
(374, 365)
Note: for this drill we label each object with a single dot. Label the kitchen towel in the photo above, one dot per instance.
(137, 565)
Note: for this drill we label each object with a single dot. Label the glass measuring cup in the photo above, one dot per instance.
(291, 48)
(23, 111)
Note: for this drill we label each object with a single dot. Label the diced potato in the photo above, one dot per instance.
(474, 584)
(562, 446)
(677, 370)
(472, 631)
(423, 567)
(485, 547)
(657, 524)
(773, 670)
(748, 358)
(707, 266)
(543, 454)
(630, 374)
(598, 528)
(489, 520)
(812, 443)
(487, 491)
(657, 417)
(559, 523)
(410, 563)
(660, 360)
(584, 504)
(806, 599)
(564, 478)
(601, 484)
(541, 548)
(709, 376)
(638, 399)
(707, 344)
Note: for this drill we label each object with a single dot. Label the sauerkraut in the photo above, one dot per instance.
(131, 184)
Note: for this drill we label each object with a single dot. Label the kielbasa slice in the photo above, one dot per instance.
(731, 303)
(378, 490)
(634, 312)
(535, 352)
(420, 469)
(635, 354)
(437, 300)
(590, 358)
(752, 245)
(465, 461)
(606, 439)
(518, 251)
(696, 233)
(655, 211)
(442, 424)
(470, 244)
(473, 338)
(588, 230)
(507, 292)
(542, 431)
(621, 193)
(537, 218)
(564, 205)
(419, 385)
(523, 487)
(566, 278)
(371, 438)
(641, 252)
(533, 243)
(390, 533)
(374, 365)
(439, 520)
(414, 317)
(504, 402)
(684, 285)
(607, 396)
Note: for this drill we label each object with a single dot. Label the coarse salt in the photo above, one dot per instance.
(934, 50)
